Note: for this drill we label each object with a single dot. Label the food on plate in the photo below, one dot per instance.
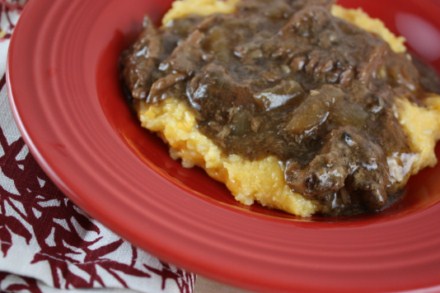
(300, 105)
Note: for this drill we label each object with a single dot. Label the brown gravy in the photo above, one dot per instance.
(292, 81)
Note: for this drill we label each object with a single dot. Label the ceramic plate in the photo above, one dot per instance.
(67, 100)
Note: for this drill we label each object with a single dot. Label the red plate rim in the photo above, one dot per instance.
(52, 79)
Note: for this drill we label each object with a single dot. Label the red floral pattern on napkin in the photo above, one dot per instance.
(46, 241)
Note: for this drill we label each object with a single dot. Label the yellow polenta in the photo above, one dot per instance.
(263, 181)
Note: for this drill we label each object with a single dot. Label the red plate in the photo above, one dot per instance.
(64, 89)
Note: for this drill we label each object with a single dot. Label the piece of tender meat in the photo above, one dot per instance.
(326, 53)
(429, 78)
(347, 163)
(215, 90)
(141, 60)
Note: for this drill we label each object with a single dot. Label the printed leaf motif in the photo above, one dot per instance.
(16, 227)
(5, 239)
(21, 284)
(9, 223)
(182, 278)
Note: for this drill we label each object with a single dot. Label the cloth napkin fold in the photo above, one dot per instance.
(47, 243)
